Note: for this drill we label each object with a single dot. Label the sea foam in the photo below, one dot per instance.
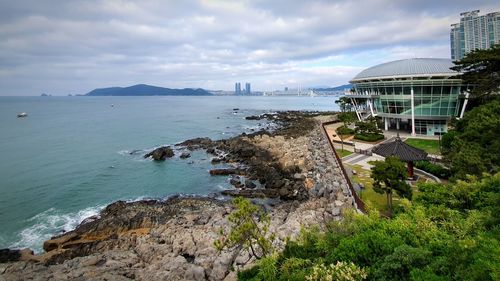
(49, 223)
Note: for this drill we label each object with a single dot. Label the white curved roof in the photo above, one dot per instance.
(409, 67)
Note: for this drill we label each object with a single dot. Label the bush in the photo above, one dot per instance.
(435, 169)
(249, 229)
(340, 271)
(343, 130)
(449, 232)
(369, 137)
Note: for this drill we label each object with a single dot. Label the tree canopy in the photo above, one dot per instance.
(369, 126)
(473, 146)
(449, 232)
(344, 103)
(250, 227)
(389, 175)
(481, 68)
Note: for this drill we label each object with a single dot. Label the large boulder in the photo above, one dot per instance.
(196, 143)
(161, 153)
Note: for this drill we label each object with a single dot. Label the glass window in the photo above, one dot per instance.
(446, 90)
(426, 91)
(417, 90)
(407, 90)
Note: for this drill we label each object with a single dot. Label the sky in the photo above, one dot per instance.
(63, 47)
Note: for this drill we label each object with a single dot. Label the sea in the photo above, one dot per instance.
(72, 156)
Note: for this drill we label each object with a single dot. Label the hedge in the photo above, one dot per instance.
(435, 169)
(369, 137)
(343, 130)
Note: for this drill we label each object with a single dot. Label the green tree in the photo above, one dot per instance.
(249, 230)
(367, 127)
(472, 146)
(388, 176)
(347, 118)
(344, 103)
(481, 68)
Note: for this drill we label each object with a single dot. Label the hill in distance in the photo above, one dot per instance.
(338, 88)
(146, 90)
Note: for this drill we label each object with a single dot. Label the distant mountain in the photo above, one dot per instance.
(147, 90)
(338, 88)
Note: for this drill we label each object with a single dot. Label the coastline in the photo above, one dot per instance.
(173, 239)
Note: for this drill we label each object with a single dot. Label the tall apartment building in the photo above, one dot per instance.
(247, 89)
(237, 88)
(474, 32)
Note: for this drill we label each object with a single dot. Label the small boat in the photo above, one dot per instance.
(23, 114)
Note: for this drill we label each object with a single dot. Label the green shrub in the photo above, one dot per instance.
(343, 130)
(449, 232)
(435, 169)
(340, 271)
(369, 137)
(249, 230)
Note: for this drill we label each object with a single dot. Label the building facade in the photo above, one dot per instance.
(419, 96)
(247, 88)
(474, 32)
(237, 88)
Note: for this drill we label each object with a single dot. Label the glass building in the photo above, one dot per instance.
(474, 32)
(416, 95)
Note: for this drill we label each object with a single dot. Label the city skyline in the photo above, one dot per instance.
(83, 45)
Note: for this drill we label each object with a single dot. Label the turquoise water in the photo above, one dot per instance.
(71, 156)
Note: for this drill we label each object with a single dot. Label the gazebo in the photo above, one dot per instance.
(401, 150)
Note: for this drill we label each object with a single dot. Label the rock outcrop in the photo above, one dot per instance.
(160, 153)
(174, 239)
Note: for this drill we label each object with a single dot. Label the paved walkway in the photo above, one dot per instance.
(361, 159)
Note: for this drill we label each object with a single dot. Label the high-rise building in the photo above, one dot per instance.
(474, 32)
(237, 88)
(247, 88)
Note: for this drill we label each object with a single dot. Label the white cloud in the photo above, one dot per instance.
(63, 47)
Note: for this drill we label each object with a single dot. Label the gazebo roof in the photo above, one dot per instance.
(401, 150)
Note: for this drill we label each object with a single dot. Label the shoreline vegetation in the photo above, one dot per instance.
(292, 171)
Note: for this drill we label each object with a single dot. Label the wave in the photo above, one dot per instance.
(49, 223)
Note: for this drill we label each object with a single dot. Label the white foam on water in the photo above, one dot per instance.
(49, 223)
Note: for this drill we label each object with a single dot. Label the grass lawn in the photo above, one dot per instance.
(343, 153)
(367, 194)
(429, 146)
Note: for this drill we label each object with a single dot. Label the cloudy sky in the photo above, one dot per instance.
(65, 47)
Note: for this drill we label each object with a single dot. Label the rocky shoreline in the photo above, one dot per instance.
(173, 239)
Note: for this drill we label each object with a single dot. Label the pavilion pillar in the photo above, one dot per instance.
(410, 169)
(412, 113)
(386, 123)
(397, 123)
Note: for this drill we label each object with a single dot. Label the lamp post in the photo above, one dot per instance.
(439, 139)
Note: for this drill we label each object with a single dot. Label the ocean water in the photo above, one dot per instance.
(72, 155)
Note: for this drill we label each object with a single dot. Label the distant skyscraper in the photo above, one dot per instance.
(247, 88)
(237, 88)
(474, 32)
